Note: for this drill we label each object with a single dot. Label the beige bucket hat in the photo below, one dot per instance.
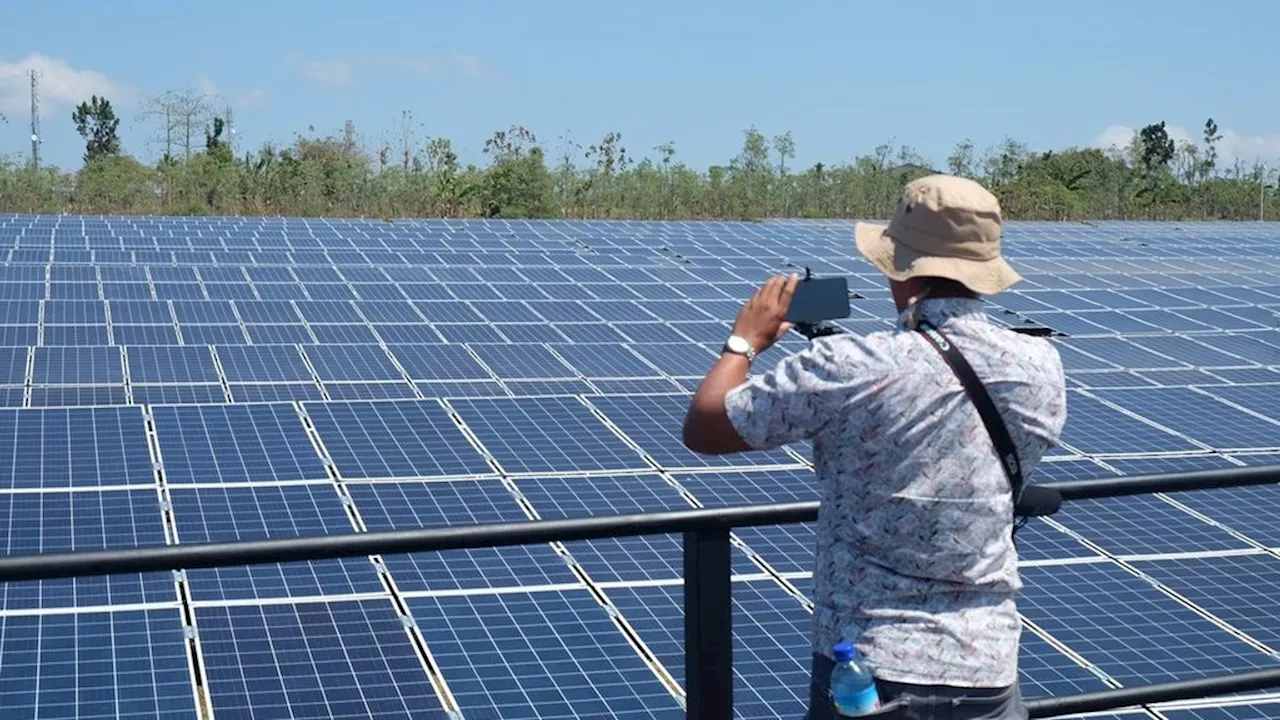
(944, 226)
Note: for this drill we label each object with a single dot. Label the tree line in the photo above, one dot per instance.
(198, 172)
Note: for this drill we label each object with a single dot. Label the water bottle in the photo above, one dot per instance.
(853, 689)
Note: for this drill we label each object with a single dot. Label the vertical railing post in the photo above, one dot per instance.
(708, 625)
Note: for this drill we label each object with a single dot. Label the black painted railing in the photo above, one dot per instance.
(707, 588)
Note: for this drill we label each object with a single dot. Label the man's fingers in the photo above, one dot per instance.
(763, 292)
(788, 290)
(778, 283)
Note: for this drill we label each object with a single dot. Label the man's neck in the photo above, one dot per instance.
(942, 295)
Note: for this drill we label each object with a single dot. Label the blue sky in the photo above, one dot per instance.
(842, 76)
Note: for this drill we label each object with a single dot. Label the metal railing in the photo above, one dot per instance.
(707, 587)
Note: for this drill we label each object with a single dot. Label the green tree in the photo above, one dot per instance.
(960, 161)
(1156, 147)
(97, 123)
(517, 182)
(1211, 138)
(442, 167)
(217, 148)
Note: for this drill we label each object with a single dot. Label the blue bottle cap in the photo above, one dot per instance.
(844, 652)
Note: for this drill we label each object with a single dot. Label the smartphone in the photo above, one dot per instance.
(818, 299)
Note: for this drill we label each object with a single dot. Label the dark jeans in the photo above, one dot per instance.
(900, 701)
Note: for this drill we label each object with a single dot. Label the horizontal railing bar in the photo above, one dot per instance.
(43, 566)
(1169, 482)
(1153, 694)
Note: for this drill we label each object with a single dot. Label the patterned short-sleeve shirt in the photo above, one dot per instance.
(915, 560)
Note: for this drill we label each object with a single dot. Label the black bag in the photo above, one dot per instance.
(1028, 501)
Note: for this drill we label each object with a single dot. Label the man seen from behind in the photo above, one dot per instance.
(915, 563)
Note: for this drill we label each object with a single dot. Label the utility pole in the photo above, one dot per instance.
(1262, 195)
(231, 132)
(35, 119)
(408, 118)
(1261, 171)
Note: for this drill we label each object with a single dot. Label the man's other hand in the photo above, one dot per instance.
(762, 321)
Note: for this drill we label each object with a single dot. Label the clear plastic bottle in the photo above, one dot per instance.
(853, 688)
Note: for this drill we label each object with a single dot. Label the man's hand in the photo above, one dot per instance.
(762, 320)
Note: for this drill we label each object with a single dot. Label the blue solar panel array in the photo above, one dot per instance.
(177, 380)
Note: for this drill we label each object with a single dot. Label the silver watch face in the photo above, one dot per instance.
(738, 344)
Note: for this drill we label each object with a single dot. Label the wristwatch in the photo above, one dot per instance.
(739, 345)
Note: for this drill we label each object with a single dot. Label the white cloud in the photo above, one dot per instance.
(1233, 145)
(61, 86)
(253, 98)
(1251, 146)
(327, 72)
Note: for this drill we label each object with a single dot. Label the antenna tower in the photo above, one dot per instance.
(35, 118)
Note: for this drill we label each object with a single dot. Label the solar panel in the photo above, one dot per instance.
(350, 659)
(1243, 591)
(654, 422)
(545, 435)
(522, 361)
(561, 642)
(351, 362)
(13, 365)
(394, 439)
(178, 394)
(171, 365)
(1094, 427)
(75, 447)
(1144, 525)
(1262, 711)
(647, 557)
(1184, 410)
(772, 655)
(438, 362)
(235, 443)
(70, 521)
(225, 514)
(78, 366)
(1129, 630)
(121, 663)
(400, 506)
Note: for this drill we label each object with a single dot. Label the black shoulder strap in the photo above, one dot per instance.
(977, 392)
